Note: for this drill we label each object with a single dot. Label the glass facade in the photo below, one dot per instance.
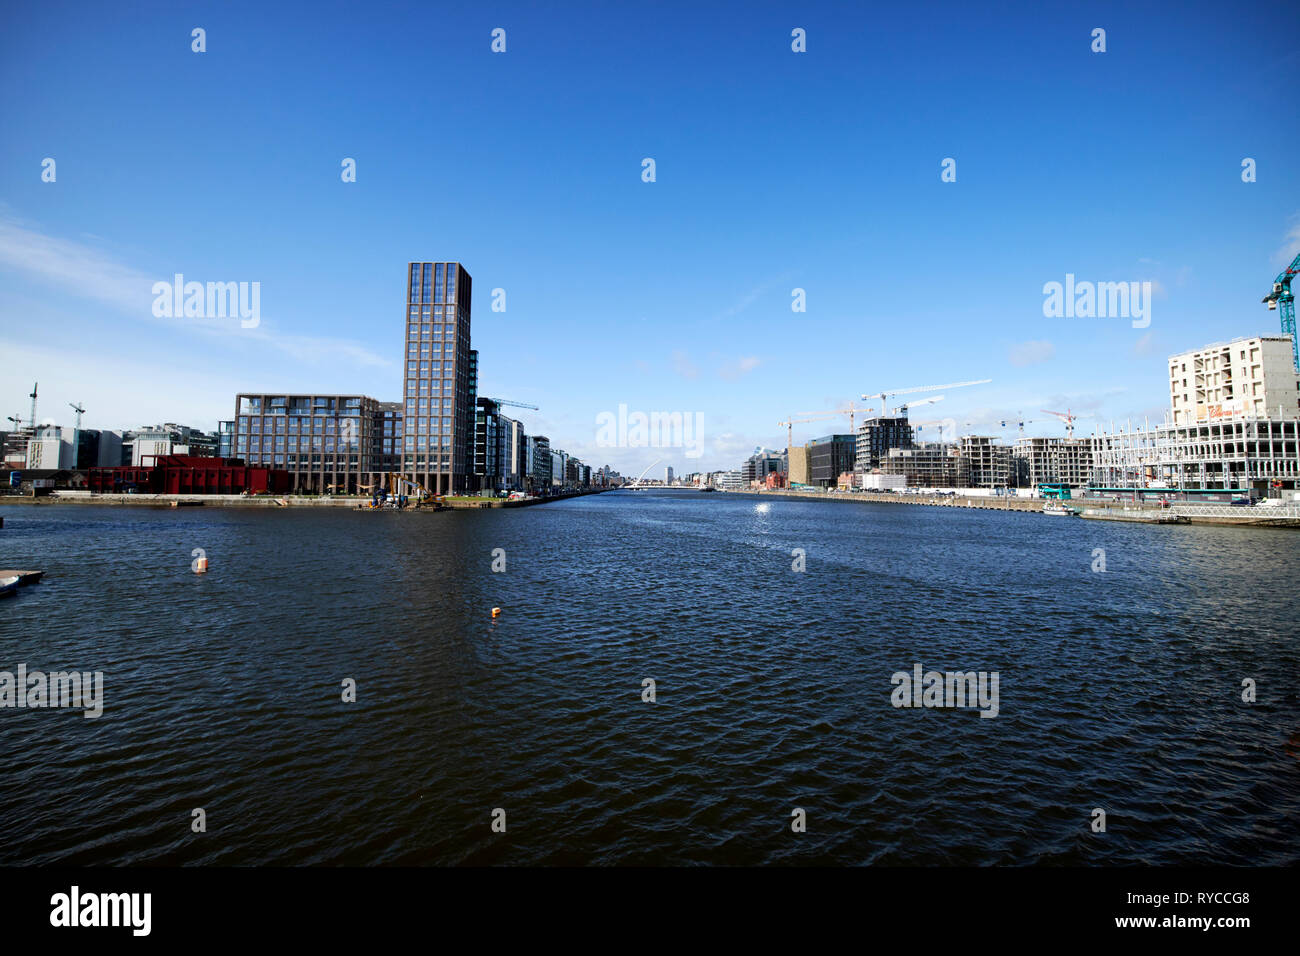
(437, 448)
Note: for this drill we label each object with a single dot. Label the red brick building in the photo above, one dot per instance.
(189, 475)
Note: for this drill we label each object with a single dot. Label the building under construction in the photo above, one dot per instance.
(988, 465)
(1259, 454)
(927, 465)
(1068, 460)
(876, 437)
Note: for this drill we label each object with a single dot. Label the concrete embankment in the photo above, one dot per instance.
(184, 501)
(1143, 512)
(462, 504)
(985, 503)
(265, 501)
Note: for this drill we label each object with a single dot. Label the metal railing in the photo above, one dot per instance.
(1289, 512)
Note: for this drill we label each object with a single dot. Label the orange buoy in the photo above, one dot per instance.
(200, 565)
(496, 612)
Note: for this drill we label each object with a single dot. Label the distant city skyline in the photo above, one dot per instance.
(775, 172)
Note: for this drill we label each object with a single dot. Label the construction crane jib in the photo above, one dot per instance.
(1282, 298)
(883, 396)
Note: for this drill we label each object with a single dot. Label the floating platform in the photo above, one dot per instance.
(24, 577)
(1143, 516)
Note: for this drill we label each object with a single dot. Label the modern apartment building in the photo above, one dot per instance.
(493, 435)
(759, 465)
(1235, 424)
(514, 467)
(732, 481)
(386, 439)
(439, 414)
(1244, 378)
(539, 464)
(876, 436)
(226, 439)
(829, 457)
(559, 468)
(329, 444)
(146, 444)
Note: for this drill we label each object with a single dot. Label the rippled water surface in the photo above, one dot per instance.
(1119, 690)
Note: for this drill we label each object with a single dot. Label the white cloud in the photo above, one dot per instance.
(737, 368)
(141, 392)
(683, 365)
(1031, 353)
(1291, 244)
(74, 267)
(86, 272)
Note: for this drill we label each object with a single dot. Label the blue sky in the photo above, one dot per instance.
(775, 170)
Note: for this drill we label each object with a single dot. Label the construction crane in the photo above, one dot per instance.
(1068, 417)
(936, 421)
(1282, 294)
(884, 408)
(33, 398)
(1021, 422)
(506, 401)
(76, 433)
(902, 409)
(850, 409)
(790, 423)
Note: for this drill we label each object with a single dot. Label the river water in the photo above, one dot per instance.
(1119, 690)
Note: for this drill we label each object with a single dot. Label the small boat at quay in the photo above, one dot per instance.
(1059, 510)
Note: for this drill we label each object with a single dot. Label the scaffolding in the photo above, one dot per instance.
(927, 465)
(1066, 460)
(988, 464)
(1259, 453)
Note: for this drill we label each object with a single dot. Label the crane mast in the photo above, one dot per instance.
(1283, 299)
